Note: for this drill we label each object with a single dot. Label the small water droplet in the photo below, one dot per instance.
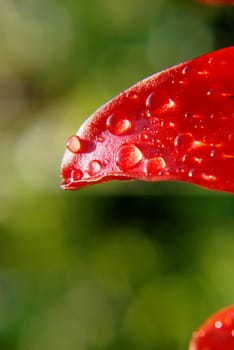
(218, 324)
(231, 137)
(208, 177)
(227, 94)
(76, 174)
(190, 159)
(184, 70)
(204, 73)
(94, 167)
(128, 156)
(144, 136)
(100, 139)
(147, 114)
(155, 165)
(134, 96)
(184, 142)
(191, 173)
(118, 125)
(167, 124)
(218, 154)
(74, 144)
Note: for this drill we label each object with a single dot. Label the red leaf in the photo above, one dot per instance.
(217, 2)
(175, 125)
(217, 333)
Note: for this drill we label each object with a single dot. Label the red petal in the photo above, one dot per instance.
(217, 333)
(175, 125)
(217, 2)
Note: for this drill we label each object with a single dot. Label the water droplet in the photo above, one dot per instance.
(100, 139)
(217, 154)
(94, 167)
(74, 144)
(66, 172)
(208, 177)
(190, 159)
(128, 156)
(167, 124)
(196, 173)
(157, 104)
(191, 173)
(212, 116)
(152, 101)
(204, 73)
(76, 174)
(154, 121)
(118, 125)
(184, 70)
(184, 142)
(144, 136)
(231, 137)
(155, 165)
(218, 324)
(227, 94)
(147, 114)
(134, 96)
(171, 103)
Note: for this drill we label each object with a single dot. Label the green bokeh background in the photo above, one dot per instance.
(119, 265)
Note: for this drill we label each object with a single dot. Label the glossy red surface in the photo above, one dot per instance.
(175, 125)
(217, 333)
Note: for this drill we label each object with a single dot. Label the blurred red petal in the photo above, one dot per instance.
(217, 333)
(217, 2)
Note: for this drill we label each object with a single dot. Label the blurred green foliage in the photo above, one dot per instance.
(121, 265)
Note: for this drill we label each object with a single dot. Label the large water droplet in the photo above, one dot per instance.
(157, 104)
(94, 167)
(76, 174)
(155, 165)
(74, 144)
(66, 172)
(184, 142)
(152, 102)
(128, 156)
(118, 125)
